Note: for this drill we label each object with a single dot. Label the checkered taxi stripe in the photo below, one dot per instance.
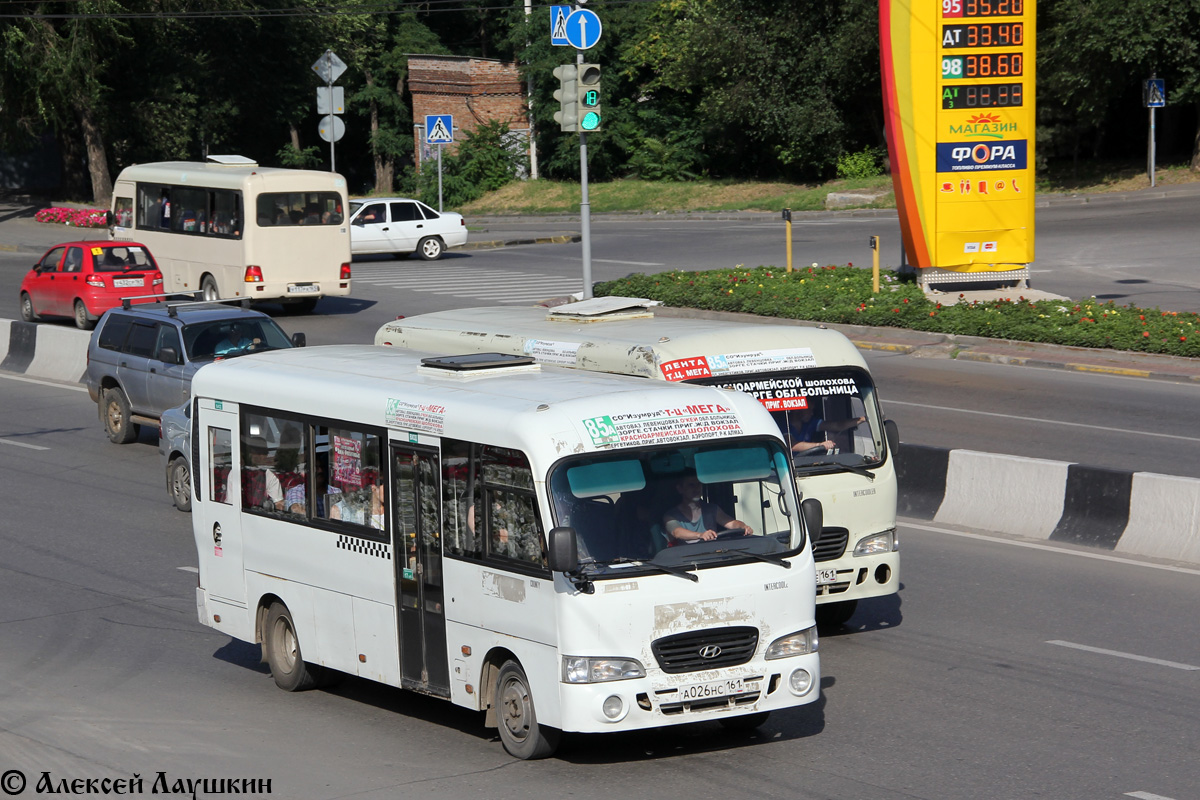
(364, 546)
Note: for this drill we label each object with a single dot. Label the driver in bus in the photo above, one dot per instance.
(695, 519)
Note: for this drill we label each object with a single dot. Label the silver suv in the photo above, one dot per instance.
(141, 358)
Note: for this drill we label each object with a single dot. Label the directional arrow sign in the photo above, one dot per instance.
(558, 25)
(583, 29)
(439, 128)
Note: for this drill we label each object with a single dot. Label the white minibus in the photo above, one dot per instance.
(812, 380)
(494, 532)
(231, 228)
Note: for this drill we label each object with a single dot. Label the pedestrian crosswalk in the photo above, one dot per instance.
(495, 285)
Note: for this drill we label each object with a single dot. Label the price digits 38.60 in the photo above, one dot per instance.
(983, 65)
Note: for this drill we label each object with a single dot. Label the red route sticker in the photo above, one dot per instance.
(784, 403)
(683, 369)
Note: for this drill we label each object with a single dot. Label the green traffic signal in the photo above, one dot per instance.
(588, 94)
(590, 121)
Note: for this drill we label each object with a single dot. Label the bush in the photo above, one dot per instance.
(488, 158)
(843, 295)
(864, 164)
(75, 217)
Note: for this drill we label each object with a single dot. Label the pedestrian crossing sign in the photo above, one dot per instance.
(1154, 93)
(439, 128)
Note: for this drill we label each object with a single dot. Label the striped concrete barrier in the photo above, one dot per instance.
(1138, 513)
(53, 352)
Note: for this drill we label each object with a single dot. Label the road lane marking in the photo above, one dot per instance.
(1046, 421)
(188, 569)
(628, 263)
(1146, 796)
(1051, 548)
(23, 444)
(1130, 656)
(23, 379)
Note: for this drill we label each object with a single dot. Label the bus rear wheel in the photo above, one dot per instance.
(208, 289)
(520, 732)
(283, 652)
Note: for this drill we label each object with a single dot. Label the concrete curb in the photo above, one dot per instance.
(513, 242)
(1136, 513)
(43, 351)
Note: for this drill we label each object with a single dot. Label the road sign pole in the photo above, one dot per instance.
(439, 177)
(585, 216)
(332, 162)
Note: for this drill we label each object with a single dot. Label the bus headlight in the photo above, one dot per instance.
(800, 643)
(582, 669)
(874, 545)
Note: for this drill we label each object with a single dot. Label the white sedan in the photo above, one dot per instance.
(401, 227)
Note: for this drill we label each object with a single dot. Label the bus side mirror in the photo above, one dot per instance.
(564, 550)
(892, 433)
(813, 516)
(299, 340)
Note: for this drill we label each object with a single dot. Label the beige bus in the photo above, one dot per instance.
(814, 382)
(228, 227)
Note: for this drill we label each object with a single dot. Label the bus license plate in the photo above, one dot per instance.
(125, 283)
(310, 288)
(826, 576)
(725, 688)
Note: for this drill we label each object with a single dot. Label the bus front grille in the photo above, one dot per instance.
(706, 649)
(831, 545)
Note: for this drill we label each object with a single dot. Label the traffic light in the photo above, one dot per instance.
(588, 89)
(567, 96)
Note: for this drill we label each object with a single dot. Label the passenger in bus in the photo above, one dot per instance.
(260, 485)
(281, 217)
(312, 215)
(295, 498)
(807, 432)
(361, 507)
(694, 519)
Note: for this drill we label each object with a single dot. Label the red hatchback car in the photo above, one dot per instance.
(85, 279)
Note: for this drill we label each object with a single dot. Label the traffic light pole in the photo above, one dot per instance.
(585, 216)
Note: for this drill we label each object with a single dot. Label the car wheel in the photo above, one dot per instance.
(287, 664)
(208, 289)
(430, 248)
(117, 423)
(520, 732)
(27, 312)
(834, 615)
(179, 484)
(81, 317)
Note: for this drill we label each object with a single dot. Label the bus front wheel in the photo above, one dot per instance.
(208, 289)
(283, 652)
(520, 732)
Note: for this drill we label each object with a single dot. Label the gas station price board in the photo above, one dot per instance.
(959, 106)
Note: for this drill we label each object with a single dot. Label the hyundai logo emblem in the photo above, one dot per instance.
(710, 651)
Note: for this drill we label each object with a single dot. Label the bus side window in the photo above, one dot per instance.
(458, 485)
(220, 461)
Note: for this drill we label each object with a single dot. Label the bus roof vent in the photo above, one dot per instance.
(233, 161)
(477, 362)
(603, 309)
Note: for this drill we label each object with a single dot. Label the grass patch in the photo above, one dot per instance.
(638, 196)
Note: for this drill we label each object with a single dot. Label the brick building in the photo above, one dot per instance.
(473, 90)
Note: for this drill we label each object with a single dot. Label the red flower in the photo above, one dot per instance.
(906, 300)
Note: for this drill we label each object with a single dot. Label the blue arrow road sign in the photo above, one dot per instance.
(558, 25)
(583, 29)
(439, 128)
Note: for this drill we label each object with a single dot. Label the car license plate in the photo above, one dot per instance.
(826, 576)
(725, 688)
(125, 283)
(303, 288)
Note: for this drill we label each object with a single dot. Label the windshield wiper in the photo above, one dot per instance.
(679, 571)
(769, 558)
(839, 467)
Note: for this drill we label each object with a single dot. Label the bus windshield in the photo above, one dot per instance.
(669, 506)
(829, 417)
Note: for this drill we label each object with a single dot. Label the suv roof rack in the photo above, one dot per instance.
(469, 362)
(173, 308)
(127, 302)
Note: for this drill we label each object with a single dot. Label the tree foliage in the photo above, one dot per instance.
(712, 88)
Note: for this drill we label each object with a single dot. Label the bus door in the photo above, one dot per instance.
(417, 543)
(218, 510)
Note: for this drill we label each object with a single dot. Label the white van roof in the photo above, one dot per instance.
(630, 341)
(529, 405)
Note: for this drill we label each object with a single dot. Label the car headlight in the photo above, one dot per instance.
(582, 669)
(800, 643)
(874, 545)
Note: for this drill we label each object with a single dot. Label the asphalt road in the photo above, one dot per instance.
(975, 681)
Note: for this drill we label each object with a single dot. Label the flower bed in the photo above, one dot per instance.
(75, 217)
(843, 294)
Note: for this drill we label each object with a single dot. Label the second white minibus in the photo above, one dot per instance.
(510, 537)
(231, 228)
(813, 380)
